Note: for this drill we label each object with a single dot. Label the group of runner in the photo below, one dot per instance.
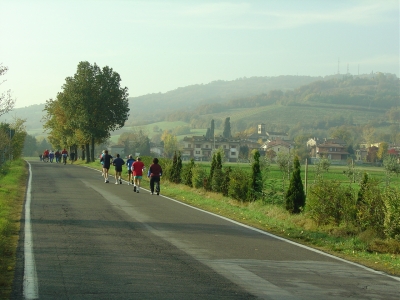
(135, 170)
(50, 155)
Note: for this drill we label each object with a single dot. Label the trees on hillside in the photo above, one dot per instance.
(91, 105)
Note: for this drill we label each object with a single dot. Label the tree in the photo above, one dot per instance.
(212, 129)
(6, 100)
(170, 144)
(382, 150)
(92, 105)
(295, 197)
(227, 129)
(256, 180)
(30, 146)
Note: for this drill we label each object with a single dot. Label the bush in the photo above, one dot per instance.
(198, 176)
(370, 206)
(217, 180)
(186, 176)
(238, 184)
(391, 198)
(330, 202)
(225, 181)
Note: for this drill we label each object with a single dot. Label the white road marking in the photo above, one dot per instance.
(30, 286)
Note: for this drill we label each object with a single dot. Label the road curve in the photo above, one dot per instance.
(91, 240)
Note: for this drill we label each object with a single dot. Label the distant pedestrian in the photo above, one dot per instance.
(51, 156)
(155, 173)
(118, 163)
(129, 163)
(106, 159)
(72, 156)
(57, 155)
(46, 155)
(137, 172)
(101, 156)
(64, 155)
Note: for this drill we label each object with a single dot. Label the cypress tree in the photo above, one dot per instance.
(172, 176)
(225, 181)
(212, 129)
(295, 197)
(256, 183)
(227, 128)
(178, 168)
(217, 177)
(210, 176)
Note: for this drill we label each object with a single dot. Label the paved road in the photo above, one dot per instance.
(92, 240)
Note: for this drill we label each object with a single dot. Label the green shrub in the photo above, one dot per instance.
(391, 198)
(198, 176)
(370, 206)
(238, 184)
(187, 174)
(225, 181)
(217, 180)
(329, 202)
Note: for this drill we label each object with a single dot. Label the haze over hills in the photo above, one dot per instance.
(288, 103)
(152, 107)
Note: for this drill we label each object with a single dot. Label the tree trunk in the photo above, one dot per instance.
(92, 149)
(87, 153)
(83, 152)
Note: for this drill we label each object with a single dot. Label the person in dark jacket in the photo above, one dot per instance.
(118, 163)
(155, 173)
(106, 159)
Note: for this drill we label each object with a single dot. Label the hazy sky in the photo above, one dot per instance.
(158, 46)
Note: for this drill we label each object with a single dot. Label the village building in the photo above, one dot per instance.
(200, 148)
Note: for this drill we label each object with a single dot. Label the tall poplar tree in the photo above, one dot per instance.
(227, 128)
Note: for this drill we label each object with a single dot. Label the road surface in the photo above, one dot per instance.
(84, 239)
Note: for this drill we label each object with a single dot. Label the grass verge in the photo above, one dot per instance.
(12, 194)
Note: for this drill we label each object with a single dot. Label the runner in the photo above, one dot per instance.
(118, 163)
(46, 155)
(106, 159)
(64, 155)
(101, 155)
(137, 172)
(51, 156)
(129, 163)
(154, 173)
(57, 156)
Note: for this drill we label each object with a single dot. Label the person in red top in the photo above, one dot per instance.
(64, 155)
(137, 172)
(154, 173)
(46, 155)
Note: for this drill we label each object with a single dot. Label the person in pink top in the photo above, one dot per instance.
(137, 172)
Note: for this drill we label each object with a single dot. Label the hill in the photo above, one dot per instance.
(153, 107)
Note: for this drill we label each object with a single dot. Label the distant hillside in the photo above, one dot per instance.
(155, 106)
(32, 114)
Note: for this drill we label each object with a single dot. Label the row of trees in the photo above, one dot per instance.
(329, 202)
(91, 104)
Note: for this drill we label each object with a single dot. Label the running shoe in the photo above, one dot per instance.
(120, 181)
(134, 188)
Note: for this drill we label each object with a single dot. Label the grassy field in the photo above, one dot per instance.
(12, 195)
